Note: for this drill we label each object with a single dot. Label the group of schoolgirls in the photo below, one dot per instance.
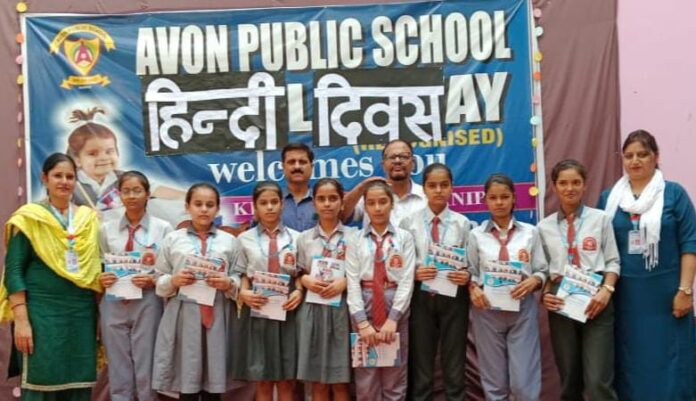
(198, 350)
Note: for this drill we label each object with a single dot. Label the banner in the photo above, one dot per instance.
(214, 95)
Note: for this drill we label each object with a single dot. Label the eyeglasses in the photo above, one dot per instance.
(399, 157)
(134, 192)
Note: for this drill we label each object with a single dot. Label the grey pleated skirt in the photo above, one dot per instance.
(324, 345)
(262, 349)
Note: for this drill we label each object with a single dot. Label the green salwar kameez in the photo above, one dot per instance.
(63, 321)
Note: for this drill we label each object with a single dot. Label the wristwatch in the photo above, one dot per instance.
(686, 290)
(609, 288)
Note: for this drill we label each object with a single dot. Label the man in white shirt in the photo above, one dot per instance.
(398, 163)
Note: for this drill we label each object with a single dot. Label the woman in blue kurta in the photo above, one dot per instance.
(655, 227)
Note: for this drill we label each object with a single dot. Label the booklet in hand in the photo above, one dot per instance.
(499, 280)
(445, 259)
(577, 289)
(274, 286)
(379, 356)
(326, 270)
(200, 292)
(125, 266)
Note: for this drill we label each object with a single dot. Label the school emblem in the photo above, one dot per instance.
(81, 45)
(589, 244)
(523, 256)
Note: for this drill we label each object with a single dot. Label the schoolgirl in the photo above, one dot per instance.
(265, 350)
(323, 330)
(582, 237)
(380, 268)
(191, 346)
(507, 343)
(438, 319)
(129, 328)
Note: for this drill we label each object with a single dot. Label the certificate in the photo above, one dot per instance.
(275, 287)
(498, 282)
(326, 270)
(125, 266)
(379, 356)
(577, 289)
(200, 292)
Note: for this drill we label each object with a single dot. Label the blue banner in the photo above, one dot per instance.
(214, 95)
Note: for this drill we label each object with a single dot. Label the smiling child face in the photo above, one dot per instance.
(98, 157)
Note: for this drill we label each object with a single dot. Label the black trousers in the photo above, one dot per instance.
(438, 320)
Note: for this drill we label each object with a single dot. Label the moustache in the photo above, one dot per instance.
(296, 171)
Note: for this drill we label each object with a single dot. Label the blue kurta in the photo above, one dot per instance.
(654, 350)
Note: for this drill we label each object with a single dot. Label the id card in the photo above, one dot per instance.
(71, 261)
(635, 244)
(288, 260)
(395, 260)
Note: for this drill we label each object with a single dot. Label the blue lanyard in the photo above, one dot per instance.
(264, 250)
(564, 237)
(197, 245)
(429, 224)
(149, 243)
(326, 243)
(371, 245)
(66, 223)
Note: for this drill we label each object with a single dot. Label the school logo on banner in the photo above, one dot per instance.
(81, 45)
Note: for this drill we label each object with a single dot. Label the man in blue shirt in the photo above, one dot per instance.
(298, 209)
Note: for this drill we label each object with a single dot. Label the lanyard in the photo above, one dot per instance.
(429, 224)
(199, 243)
(66, 223)
(149, 243)
(264, 250)
(326, 243)
(371, 245)
(564, 237)
(635, 220)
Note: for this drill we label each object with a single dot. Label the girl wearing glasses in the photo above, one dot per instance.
(129, 327)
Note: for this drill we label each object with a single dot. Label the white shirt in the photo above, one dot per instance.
(311, 243)
(525, 243)
(179, 244)
(414, 201)
(113, 234)
(453, 230)
(254, 255)
(594, 239)
(360, 260)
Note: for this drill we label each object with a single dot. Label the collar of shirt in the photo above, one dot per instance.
(287, 195)
(416, 191)
(212, 231)
(578, 212)
(110, 179)
(490, 225)
(369, 230)
(144, 222)
(263, 230)
(319, 232)
(429, 214)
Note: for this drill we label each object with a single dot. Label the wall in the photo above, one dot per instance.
(658, 82)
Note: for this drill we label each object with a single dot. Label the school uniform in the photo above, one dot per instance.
(412, 202)
(323, 330)
(437, 319)
(191, 346)
(99, 196)
(129, 329)
(263, 349)
(507, 343)
(395, 253)
(584, 352)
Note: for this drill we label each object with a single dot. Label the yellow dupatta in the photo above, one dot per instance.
(49, 240)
